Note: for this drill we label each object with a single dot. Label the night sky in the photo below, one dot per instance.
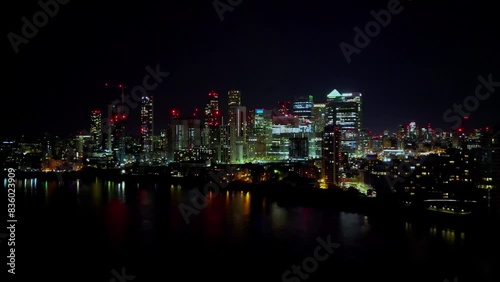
(427, 58)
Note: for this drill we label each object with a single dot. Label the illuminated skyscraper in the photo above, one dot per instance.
(495, 169)
(318, 117)
(318, 123)
(238, 126)
(224, 149)
(115, 127)
(489, 169)
(344, 112)
(365, 137)
(260, 134)
(108, 126)
(173, 115)
(302, 107)
(250, 153)
(95, 128)
(285, 127)
(400, 135)
(163, 141)
(234, 98)
(83, 143)
(211, 130)
(212, 113)
(147, 126)
(185, 134)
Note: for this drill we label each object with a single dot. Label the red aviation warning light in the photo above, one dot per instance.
(121, 85)
(175, 113)
(213, 94)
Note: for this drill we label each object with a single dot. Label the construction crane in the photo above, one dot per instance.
(121, 86)
(116, 130)
(120, 108)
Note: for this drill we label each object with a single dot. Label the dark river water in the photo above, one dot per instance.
(82, 231)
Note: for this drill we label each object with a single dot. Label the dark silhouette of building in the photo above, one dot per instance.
(331, 155)
(298, 148)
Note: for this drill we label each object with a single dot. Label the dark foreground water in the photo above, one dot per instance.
(81, 231)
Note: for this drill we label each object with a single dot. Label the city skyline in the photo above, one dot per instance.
(240, 140)
(135, 124)
(297, 131)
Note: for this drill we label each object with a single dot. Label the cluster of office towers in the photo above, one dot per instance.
(297, 130)
(109, 136)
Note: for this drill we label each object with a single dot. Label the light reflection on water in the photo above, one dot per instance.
(234, 209)
(151, 211)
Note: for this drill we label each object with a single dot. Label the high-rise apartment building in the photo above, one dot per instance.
(116, 131)
(185, 134)
(212, 113)
(233, 98)
(211, 128)
(147, 126)
(237, 123)
(96, 128)
(224, 148)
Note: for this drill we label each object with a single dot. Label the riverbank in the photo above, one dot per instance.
(282, 193)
